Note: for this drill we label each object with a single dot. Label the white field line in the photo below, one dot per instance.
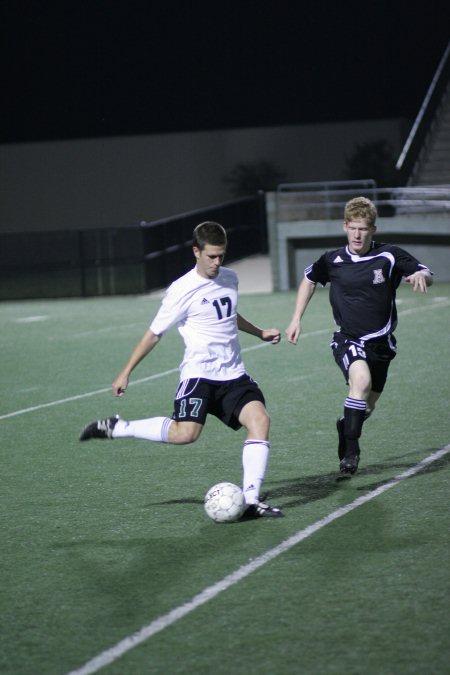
(23, 411)
(163, 622)
(156, 376)
(80, 396)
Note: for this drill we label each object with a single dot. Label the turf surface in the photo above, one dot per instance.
(101, 539)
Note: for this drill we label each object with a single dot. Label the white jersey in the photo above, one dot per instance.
(205, 311)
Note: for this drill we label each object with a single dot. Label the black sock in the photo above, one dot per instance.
(354, 415)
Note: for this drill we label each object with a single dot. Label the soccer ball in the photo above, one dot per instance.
(224, 503)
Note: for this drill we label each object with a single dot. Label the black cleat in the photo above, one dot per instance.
(340, 430)
(349, 464)
(261, 510)
(99, 429)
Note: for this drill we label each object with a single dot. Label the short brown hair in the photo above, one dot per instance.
(361, 208)
(209, 233)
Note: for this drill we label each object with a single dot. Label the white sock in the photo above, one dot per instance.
(151, 429)
(255, 455)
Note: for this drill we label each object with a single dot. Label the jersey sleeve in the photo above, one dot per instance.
(406, 263)
(317, 273)
(172, 310)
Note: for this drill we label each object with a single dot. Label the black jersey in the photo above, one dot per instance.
(362, 291)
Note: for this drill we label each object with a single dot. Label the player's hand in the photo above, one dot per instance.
(120, 384)
(272, 335)
(418, 281)
(293, 332)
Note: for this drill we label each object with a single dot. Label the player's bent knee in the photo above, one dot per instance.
(183, 433)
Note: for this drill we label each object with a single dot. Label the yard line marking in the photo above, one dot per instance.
(412, 310)
(105, 390)
(87, 394)
(163, 622)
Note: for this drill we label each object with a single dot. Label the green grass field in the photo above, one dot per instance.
(103, 539)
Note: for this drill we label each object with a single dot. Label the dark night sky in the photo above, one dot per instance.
(109, 67)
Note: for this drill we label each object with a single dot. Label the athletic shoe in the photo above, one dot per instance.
(261, 510)
(340, 430)
(99, 429)
(349, 464)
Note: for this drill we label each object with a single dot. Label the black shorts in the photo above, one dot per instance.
(196, 398)
(378, 355)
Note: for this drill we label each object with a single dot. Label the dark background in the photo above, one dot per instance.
(109, 67)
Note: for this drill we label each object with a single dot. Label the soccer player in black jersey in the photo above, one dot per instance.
(363, 277)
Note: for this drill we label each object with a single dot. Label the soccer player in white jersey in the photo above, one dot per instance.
(213, 380)
(363, 277)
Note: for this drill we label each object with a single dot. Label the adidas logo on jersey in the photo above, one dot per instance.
(338, 259)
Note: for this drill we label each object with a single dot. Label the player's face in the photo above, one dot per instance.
(359, 235)
(209, 260)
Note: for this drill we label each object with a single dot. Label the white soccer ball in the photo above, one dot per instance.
(225, 502)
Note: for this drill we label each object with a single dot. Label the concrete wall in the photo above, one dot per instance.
(115, 182)
(295, 245)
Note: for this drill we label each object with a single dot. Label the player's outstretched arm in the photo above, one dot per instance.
(145, 345)
(420, 280)
(266, 334)
(304, 295)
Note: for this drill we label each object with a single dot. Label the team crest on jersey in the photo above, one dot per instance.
(378, 277)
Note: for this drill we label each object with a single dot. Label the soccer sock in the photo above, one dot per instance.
(354, 414)
(255, 455)
(151, 429)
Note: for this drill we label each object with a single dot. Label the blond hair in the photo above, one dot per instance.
(361, 208)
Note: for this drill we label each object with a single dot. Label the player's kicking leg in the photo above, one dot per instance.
(151, 429)
(99, 429)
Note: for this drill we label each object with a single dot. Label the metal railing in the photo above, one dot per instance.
(121, 260)
(326, 201)
(168, 242)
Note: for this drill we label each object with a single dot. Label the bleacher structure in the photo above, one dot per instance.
(425, 158)
(306, 218)
(433, 164)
